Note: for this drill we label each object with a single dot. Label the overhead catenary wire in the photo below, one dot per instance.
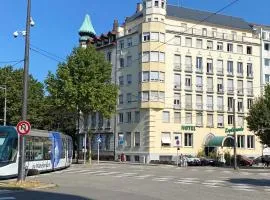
(47, 52)
(45, 55)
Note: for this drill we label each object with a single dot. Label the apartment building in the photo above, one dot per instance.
(179, 73)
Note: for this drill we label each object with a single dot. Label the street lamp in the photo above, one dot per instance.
(4, 87)
(26, 33)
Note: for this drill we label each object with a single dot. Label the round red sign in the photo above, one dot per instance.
(23, 127)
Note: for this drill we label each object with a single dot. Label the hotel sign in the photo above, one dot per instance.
(231, 130)
(188, 128)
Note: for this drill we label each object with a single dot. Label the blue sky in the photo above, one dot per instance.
(58, 21)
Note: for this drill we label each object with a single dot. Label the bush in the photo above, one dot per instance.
(201, 153)
(228, 158)
(212, 155)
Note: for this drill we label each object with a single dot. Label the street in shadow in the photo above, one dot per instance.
(250, 181)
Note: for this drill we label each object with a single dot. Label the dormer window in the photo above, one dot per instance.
(156, 4)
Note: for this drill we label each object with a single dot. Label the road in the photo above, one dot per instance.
(109, 181)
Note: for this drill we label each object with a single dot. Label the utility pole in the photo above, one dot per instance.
(21, 167)
(234, 134)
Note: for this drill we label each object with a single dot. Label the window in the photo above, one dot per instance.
(188, 42)
(199, 102)
(230, 119)
(210, 84)
(137, 139)
(240, 141)
(120, 118)
(177, 81)
(122, 62)
(128, 139)
(148, 3)
(129, 79)
(146, 56)
(129, 42)
(93, 120)
(230, 67)
(267, 62)
(267, 78)
(161, 57)
(122, 44)
(239, 87)
(129, 61)
(240, 106)
(188, 140)
(177, 62)
(188, 118)
(162, 4)
(199, 43)
(146, 37)
(137, 116)
(161, 76)
(209, 67)
(166, 116)
(161, 37)
(145, 77)
(145, 96)
(220, 67)
(128, 117)
(199, 84)
(249, 50)
(188, 82)
(177, 40)
(188, 62)
(220, 121)
(177, 117)
(240, 49)
(209, 45)
(230, 86)
(176, 101)
(121, 80)
(220, 85)
(204, 31)
(220, 105)
(264, 35)
(230, 47)
(250, 88)
(177, 137)
(188, 99)
(129, 98)
(165, 139)
(154, 76)
(154, 96)
(210, 122)
(249, 103)
(230, 104)
(220, 46)
(161, 96)
(154, 56)
(209, 103)
(249, 70)
(266, 46)
(120, 138)
(199, 66)
(156, 4)
(120, 99)
(250, 141)
(239, 68)
(154, 36)
(240, 121)
(199, 119)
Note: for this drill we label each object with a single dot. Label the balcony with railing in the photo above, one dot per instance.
(250, 92)
(177, 106)
(210, 89)
(240, 109)
(199, 106)
(177, 66)
(209, 107)
(250, 75)
(199, 88)
(188, 87)
(177, 86)
(220, 71)
(230, 109)
(188, 106)
(240, 91)
(220, 108)
(199, 69)
(188, 68)
(220, 89)
(230, 90)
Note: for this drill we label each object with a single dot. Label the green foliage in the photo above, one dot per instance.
(201, 153)
(84, 81)
(258, 118)
(212, 155)
(13, 79)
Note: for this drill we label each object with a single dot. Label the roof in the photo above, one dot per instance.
(87, 27)
(199, 16)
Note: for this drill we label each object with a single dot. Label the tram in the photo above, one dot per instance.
(44, 151)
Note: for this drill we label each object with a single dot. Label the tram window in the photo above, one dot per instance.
(29, 148)
(38, 148)
(47, 151)
(63, 148)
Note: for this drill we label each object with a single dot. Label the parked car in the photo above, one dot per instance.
(207, 161)
(243, 160)
(192, 161)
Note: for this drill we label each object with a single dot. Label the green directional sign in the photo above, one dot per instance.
(231, 130)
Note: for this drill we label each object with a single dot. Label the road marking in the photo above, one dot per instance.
(143, 176)
(125, 175)
(187, 181)
(226, 172)
(107, 173)
(209, 170)
(70, 172)
(93, 172)
(7, 198)
(161, 179)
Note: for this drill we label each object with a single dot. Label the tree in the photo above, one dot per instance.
(258, 118)
(13, 79)
(83, 83)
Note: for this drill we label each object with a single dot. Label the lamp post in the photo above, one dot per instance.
(26, 33)
(4, 87)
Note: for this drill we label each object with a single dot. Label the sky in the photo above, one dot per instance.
(57, 23)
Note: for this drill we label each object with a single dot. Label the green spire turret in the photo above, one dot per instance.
(87, 30)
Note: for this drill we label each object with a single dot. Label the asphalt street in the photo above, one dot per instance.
(108, 181)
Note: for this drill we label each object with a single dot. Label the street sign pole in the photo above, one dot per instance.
(177, 160)
(98, 153)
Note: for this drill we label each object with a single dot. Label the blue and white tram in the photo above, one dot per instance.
(44, 151)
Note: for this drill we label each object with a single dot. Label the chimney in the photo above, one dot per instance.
(115, 25)
(139, 7)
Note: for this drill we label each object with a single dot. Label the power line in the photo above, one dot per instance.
(11, 61)
(47, 52)
(43, 54)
